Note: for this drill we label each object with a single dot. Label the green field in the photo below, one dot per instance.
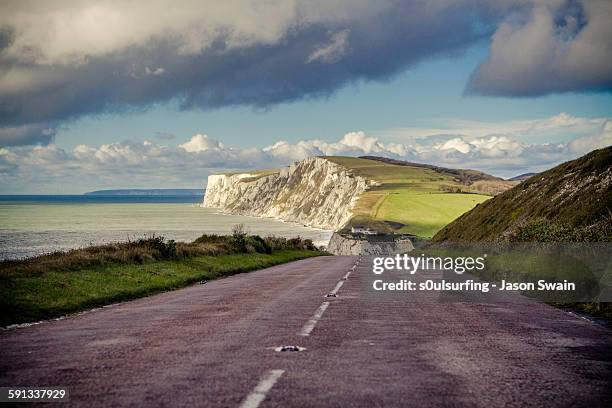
(425, 213)
(407, 199)
(33, 296)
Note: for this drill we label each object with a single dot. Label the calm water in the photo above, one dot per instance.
(35, 225)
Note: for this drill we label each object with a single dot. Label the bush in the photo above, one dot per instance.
(239, 236)
(292, 243)
(257, 244)
(158, 247)
(212, 238)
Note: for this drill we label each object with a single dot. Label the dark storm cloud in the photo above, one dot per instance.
(258, 75)
(29, 134)
(218, 56)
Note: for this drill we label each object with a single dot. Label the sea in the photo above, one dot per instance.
(35, 225)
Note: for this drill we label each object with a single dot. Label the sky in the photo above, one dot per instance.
(147, 96)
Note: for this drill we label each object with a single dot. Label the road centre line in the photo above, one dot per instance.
(337, 288)
(259, 393)
(310, 324)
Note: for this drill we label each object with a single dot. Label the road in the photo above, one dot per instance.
(214, 345)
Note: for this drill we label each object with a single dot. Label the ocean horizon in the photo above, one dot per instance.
(32, 225)
(98, 198)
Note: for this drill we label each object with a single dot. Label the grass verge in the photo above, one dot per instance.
(31, 297)
(59, 283)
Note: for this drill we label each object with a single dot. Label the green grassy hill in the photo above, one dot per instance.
(571, 202)
(413, 198)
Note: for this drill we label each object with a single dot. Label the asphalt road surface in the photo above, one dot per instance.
(215, 345)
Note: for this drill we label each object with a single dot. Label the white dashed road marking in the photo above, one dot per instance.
(310, 324)
(259, 393)
(337, 288)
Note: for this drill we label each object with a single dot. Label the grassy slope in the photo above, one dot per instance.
(570, 202)
(408, 195)
(425, 213)
(30, 297)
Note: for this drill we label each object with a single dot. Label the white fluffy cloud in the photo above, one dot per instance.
(560, 46)
(201, 143)
(603, 137)
(46, 30)
(561, 126)
(147, 164)
(454, 144)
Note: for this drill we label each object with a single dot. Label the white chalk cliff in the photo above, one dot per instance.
(314, 192)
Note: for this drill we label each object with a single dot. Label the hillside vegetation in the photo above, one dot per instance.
(463, 180)
(56, 284)
(571, 202)
(413, 198)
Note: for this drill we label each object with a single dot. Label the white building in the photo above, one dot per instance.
(359, 229)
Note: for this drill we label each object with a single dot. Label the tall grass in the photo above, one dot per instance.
(149, 249)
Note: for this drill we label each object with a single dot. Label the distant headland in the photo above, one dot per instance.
(160, 192)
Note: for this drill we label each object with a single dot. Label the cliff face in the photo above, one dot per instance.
(313, 192)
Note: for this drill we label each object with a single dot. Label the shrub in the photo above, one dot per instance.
(239, 236)
(255, 243)
(292, 243)
(212, 238)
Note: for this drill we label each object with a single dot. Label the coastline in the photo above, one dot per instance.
(325, 242)
(33, 229)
